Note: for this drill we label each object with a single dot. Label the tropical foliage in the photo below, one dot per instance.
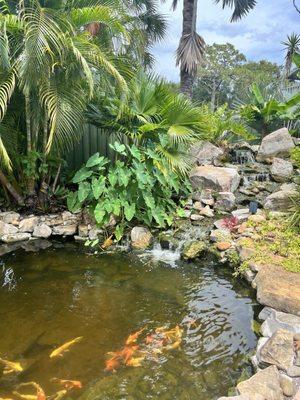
(139, 186)
(151, 113)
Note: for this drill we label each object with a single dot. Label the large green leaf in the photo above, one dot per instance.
(99, 213)
(129, 211)
(98, 186)
(82, 175)
(84, 190)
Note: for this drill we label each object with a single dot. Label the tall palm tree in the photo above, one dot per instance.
(292, 45)
(48, 61)
(192, 46)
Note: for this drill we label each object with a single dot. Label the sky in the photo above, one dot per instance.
(258, 35)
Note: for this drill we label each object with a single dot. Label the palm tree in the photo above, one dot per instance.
(192, 46)
(292, 45)
(52, 64)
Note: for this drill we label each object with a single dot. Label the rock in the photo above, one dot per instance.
(256, 218)
(266, 312)
(83, 230)
(65, 230)
(28, 224)
(42, 231)
(36, 245)
(245, 253)
(52, 219)
(219, 224)
(15, 237)
(207, 212)
(207, 197)
(279, 350)
(264, 383)
(287, 385)
(288, 186)
(10, 217)
(197, 217)
(216, 178)
(69, 218)
(226, 201)
(8, 248)
(279, 320)
(193, 249)
(197, 205)
(297, 396)
(278, 143)
(281, 170)
(95, 233)
(255, 396)
(220, 235)
(248, 275)
(293, 371)
(140, 237)
(242, 214)
(280, 201)
(223, 246)
(279, 289)
(206, 153)
(7, 229)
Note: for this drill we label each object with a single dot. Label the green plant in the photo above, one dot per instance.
(139, 186)
(295, 156)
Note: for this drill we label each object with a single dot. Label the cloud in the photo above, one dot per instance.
(258, 35)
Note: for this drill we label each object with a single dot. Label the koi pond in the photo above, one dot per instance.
(120, 327)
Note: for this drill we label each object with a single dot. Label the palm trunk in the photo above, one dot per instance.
(8, 186)
(189, 15)
(29, 136)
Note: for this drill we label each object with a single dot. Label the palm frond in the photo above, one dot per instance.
(190, 52)
(7, 87)
(4, 47)
(240, 7)
(4, 157)
(65, 107)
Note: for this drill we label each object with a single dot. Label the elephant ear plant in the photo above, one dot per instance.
(139, 186)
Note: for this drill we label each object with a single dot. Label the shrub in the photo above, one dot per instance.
(139, 186)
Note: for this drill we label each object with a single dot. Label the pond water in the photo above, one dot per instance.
(51, 297)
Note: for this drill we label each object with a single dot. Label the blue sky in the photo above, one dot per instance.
(258, 36)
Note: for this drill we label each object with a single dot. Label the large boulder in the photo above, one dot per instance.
(278, 288)
(65, 230)
(278, 143)
(141, 237)
(281, 170)
(205, 153)
(265, 383)
(193, 249)
(216, 178)
(281, 200)
(15, 237)
(278, 350)
(225, 202)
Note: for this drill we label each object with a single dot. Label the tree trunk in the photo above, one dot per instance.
(213, 96)
(189, 15)
(7, 185)
(29, 137)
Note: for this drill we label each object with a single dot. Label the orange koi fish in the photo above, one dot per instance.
(67, 384)
(112, 365)
(133, 338)
(58, 352)
(40, 394)
(10, 367)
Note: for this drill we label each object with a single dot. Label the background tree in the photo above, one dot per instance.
(292, 45)
(216, 72)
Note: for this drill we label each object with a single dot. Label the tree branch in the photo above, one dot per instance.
(296, 7)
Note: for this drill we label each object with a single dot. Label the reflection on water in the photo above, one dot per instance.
(51, 297)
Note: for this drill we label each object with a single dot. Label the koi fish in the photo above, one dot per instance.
(40, 394)
(10, 366)
(25, 396)
(174, 345)
(112, 365)
(107, 243)
(59, 395)
(133, 338)
(135, 362)
(67, 383)
(58, 352)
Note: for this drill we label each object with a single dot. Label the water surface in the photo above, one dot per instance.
(53, 296)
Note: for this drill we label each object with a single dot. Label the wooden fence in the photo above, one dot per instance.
(93, 140)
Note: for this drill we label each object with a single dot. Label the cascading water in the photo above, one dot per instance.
(243, 157)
